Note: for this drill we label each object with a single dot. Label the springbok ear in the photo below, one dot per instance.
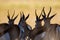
(8, 16)
(13, 15)
(27, 17)
(49, 13)
(37, 18)
(52, 16)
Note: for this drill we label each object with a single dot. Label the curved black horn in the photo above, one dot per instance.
(49, 12)
(20, 15)
(41, 14)
(27, 17)
(8, 16)
(36, 15)
(23, 15)
(44, 12)
(13, 15)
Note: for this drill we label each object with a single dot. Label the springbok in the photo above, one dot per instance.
(25, 28)
(14, 30)
(3, 31)
(3, 28)
(52, 30)
(38, 30)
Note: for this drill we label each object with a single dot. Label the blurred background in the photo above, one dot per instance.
(28, 7)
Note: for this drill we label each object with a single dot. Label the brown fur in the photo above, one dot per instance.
(51, 31)
(3, 28)
(14, 32)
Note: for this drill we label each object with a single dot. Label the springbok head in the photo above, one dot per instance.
(38, 19)
(23, 19)
(11, 20)
(46, 18)
(24, 27)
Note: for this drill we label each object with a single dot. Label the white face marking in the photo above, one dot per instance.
(29, 27)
